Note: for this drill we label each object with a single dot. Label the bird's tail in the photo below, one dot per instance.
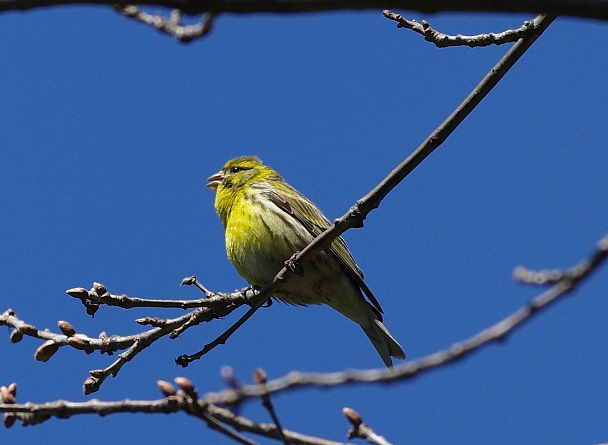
(382, 340)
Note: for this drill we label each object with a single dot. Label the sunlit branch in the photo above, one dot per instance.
(362, 430)
(171, 25)
(185, 399)
(132, 345)
(442, 40)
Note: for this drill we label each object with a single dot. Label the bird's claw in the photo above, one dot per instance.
(292, 263)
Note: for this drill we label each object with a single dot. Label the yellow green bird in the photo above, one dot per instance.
(266, 221)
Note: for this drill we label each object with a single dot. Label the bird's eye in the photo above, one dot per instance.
(235, 169)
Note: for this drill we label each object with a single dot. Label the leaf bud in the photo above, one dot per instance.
(78, 292)
(66, 328)
(9, 419)
(166, 388)
(99, 288)
(187, 386)
(16, 336)
(46, 351)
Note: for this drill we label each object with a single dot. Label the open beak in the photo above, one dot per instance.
(214, 180)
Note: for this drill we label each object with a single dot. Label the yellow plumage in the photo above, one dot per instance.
(267, 221)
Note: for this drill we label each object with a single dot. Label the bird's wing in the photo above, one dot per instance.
(311, 217)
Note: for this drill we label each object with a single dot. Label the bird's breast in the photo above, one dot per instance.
(259, 238)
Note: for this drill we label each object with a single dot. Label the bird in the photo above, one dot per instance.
(266, 222)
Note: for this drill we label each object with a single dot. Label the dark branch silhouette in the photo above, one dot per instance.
(577, 8)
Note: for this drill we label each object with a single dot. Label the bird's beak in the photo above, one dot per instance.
(214, 180)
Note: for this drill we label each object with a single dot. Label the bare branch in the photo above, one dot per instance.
(171, 25)
(183, 400)
(372, 199)
(355, 216)
(219, 306)
(498, 332)
(577, 8)
(442, 40)
(186, 399)
(267, 430)
(260, 378)
(184, 360)
(541, 277)
(360, 429)
(216, 301)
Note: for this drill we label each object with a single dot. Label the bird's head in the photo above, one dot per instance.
(238, 172)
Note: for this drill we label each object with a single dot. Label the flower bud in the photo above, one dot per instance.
(92, 308)
(78, 292)
(46, 351)
(9, 419)
(353, 416)
(16, 336)
(259, 376)
(79, 343)
(8, 313)
(6, 395)
(66, 328)
(187, 386)
(12, 388)
(91, 385)
(99, 288)
(166, 388)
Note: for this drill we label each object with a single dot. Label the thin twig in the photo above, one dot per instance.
(185, 359)
(537, 277)
(260, 378)
(131, 344)
(219, 426)
(171, 25)
(360, 429)
(33, 413)
(212, 300)
(442, 40)
(189, 281)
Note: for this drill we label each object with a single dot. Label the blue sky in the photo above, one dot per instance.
(109, 130)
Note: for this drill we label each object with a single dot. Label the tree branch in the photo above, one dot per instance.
(360, 429)
(355, 216)
(219, 306)
(442, 40)
(571, 279)
(183, 400)
(577, 8)
(186, 399)
(171, 25)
